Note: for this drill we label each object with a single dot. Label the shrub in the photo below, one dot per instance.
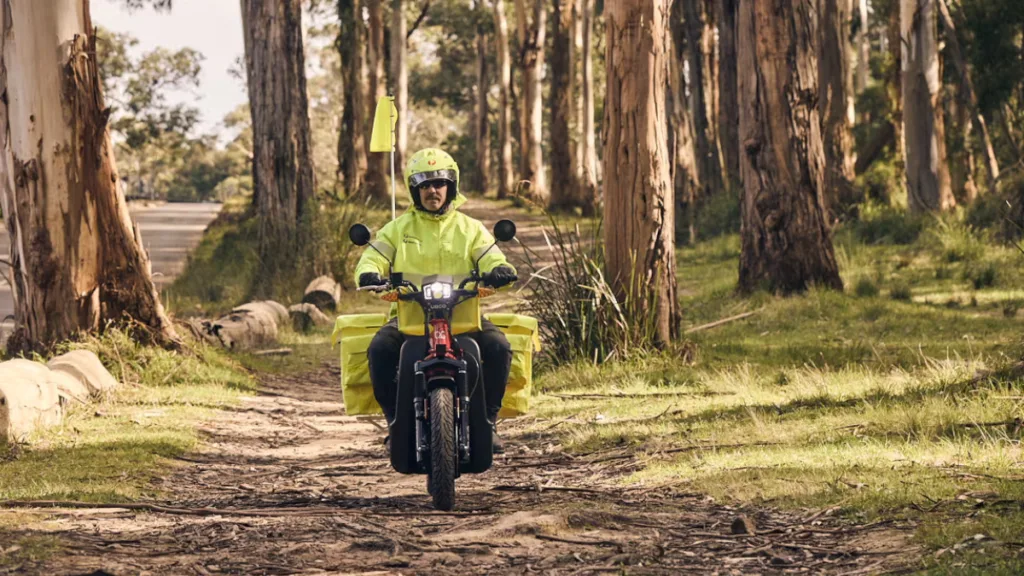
(717, 216)
(983, 275)
(900, 291)
(580, 316)
(866, 288)
(955, 240)
(884, 224)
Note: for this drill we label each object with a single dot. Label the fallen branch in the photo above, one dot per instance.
(575, 541)
(717, 323)
(274, 352)
(539, 489)
(207, 511)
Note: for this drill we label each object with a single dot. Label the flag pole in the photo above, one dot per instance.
(392, 112)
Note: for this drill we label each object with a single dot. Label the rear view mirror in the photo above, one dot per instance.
(359, 234)
(505, 230)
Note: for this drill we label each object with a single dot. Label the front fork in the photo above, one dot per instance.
(421, 407)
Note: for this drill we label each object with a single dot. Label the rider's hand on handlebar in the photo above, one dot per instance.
(371, 279)
(500, 276)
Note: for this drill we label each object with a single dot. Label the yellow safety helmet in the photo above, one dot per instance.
(431, 164)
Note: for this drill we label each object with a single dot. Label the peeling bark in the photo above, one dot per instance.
(786, 242)
(638, 210)
(77, 257)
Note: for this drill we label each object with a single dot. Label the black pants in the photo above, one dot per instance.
(386, 347)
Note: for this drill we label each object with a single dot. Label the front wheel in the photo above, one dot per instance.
(441, 479)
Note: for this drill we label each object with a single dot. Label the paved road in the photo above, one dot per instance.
(169, 231)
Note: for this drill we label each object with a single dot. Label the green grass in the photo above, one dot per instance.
(221, 271)
(111, 450)
(868, 400)
(107, 451)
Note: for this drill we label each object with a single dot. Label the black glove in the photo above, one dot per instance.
(500, 276)
(371, 279)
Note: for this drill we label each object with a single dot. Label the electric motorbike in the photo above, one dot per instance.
(440, 425)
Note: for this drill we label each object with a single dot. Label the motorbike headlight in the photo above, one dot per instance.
(437, 291)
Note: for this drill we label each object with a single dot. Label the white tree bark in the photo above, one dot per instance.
(928, 182)
(76, 255)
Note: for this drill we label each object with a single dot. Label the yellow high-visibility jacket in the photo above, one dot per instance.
(422, 244)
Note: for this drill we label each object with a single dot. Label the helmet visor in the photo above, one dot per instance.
(416, 179)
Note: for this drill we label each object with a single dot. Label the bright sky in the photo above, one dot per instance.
(213, 27)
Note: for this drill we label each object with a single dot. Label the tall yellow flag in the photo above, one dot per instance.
(384, 119)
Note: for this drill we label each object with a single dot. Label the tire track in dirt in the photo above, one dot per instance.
(288, 484)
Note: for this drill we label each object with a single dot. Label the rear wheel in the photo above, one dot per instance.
(441, 480)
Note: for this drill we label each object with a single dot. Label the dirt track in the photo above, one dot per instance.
(288, 484)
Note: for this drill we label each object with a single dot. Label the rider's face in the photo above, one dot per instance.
(433, 194)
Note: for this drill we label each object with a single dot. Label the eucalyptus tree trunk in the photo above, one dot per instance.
(588, 137)
(835, 99)
(638, 210)
(701, 99)
(352, 137)
(76, 258)
(505, 168)
(532, 31)
(728, 111)
(969, 98)
(377, 163)
(564, 186)
(282, 153)
(400, 76)
(482, 122)
(786, 244)
(685, 173)
(928, 182)
(863, 43)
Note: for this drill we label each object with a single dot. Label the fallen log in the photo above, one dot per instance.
(305, 316)
(242, 330)
(324, 293)
(275, 310)
(85, 367)
(28, 399)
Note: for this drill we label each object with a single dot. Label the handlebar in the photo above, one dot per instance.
(416, 291)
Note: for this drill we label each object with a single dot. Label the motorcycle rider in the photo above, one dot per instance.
(433, 237)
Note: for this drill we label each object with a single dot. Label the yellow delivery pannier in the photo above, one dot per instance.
(355, 331)
(522, 335)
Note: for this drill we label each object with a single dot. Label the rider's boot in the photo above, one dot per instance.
(497, 444)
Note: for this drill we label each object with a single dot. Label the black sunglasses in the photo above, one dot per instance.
(439, 183)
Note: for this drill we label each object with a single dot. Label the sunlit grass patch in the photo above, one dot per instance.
(873, 402)
(110, 450)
